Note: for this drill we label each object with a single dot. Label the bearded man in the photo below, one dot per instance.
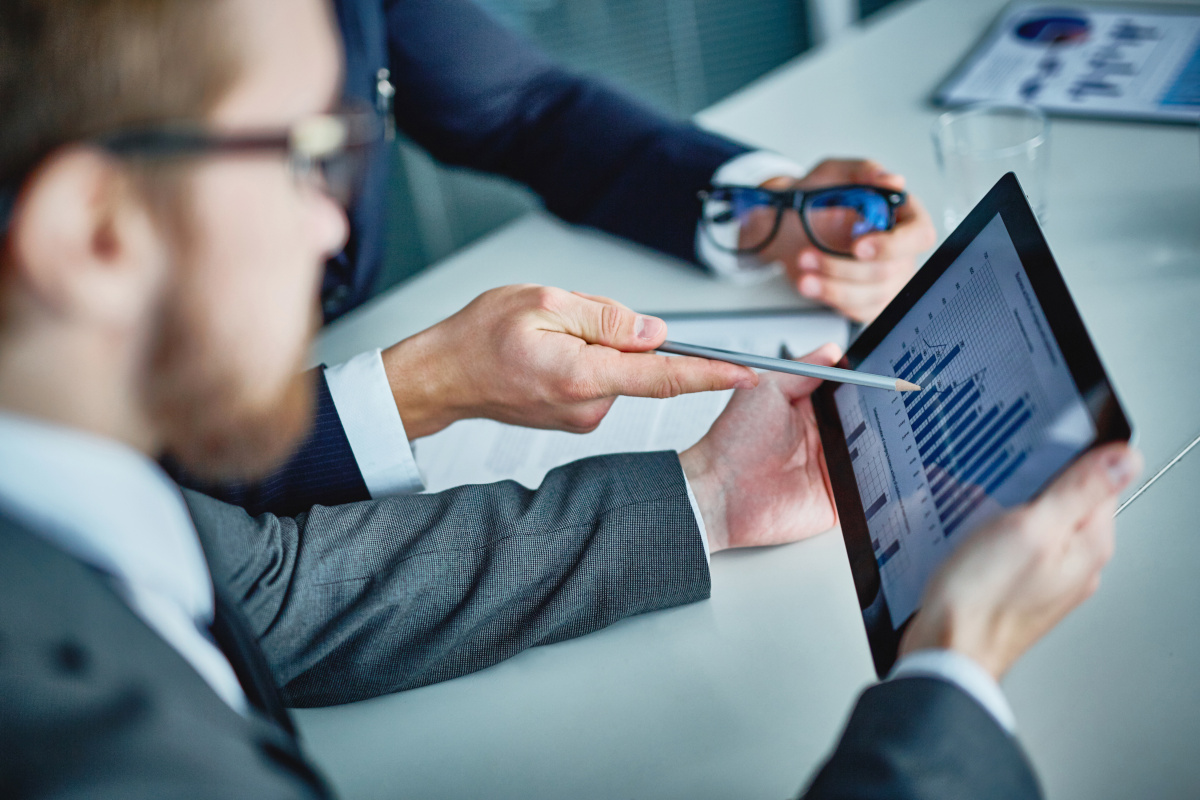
(169, 169)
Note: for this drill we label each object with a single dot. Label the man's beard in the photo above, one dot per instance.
(200, 404)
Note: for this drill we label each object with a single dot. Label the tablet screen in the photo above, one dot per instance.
(999, 415)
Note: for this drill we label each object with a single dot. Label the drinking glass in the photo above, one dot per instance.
(975, 146)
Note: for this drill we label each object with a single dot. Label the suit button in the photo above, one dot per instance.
(70, 657)
(334, 301)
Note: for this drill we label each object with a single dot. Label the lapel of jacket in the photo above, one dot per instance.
(233, 636)
(40, 573)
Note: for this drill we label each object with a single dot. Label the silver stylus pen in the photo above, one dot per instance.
(792, 367)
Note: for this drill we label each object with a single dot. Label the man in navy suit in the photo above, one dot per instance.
(475, 95)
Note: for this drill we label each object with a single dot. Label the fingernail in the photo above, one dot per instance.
(865, 250)
(1121, 467)
(745, 383)
(647, 328)
(810, 286)
(809, 261)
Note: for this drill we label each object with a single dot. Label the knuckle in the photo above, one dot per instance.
(928, 235)
(589, 418)
(578, 389)
(545, 298)
(667, 385)
(611, 319)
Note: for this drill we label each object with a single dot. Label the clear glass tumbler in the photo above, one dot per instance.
(976, 145)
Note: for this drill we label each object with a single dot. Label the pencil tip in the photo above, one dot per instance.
(905, 386)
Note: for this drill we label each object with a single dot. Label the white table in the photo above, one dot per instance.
(741, 696)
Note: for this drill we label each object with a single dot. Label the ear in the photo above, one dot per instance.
(83, 244)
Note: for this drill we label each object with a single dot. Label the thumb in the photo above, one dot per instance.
(599, 320)
(1095, 478)
(796, 387)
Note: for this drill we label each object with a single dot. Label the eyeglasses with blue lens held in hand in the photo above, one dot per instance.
(744, 220)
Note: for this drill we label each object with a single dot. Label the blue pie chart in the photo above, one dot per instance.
(1056, 29)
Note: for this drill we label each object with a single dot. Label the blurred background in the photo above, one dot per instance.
(713, 48)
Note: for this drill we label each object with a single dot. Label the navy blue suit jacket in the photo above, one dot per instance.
(475, 95)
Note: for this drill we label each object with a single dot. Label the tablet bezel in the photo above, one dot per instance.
(1008, 200)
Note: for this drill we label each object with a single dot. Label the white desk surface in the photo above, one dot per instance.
(741, 696)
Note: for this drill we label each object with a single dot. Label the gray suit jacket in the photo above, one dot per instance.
(344, 603)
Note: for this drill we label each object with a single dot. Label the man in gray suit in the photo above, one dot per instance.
(157, 288)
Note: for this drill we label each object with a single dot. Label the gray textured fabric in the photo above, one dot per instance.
(368, 598)
(94, 704)
(353, 601)
(924, 739)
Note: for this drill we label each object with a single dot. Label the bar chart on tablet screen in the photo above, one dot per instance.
(998, 414)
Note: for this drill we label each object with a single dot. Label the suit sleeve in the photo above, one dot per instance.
(474, 94)
(322, 470)
(360, 600)
(923, 739)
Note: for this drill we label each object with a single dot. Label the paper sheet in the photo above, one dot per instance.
(1095, 60)
(482, 451)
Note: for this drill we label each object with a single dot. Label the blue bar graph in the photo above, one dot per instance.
(1006, 474)
(886, 555)
(923, 398)
(879, 503)
(950, 438)
(854, 434)
(964, 437)
(907, 372)
(945, 362)
(965, 397)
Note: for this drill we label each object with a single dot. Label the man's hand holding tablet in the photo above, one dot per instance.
(1017, 577)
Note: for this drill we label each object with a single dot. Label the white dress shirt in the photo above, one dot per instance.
(115, 510)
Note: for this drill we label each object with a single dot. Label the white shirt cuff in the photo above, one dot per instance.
(364, 402)
(699, 519)
(748, 169)
(964, 673)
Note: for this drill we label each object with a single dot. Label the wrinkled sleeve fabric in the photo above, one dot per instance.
(474, 94)
(364, 599)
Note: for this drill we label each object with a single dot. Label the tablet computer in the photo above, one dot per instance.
(1013, 391)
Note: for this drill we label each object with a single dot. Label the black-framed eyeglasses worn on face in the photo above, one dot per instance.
(744, 220)
(326, 151)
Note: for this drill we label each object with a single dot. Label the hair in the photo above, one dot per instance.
(74, 69)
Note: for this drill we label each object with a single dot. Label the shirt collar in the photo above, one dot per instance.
(107, 505)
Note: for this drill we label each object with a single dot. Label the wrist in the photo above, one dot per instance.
(423, 382)
(937, 628)
(710, 498)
